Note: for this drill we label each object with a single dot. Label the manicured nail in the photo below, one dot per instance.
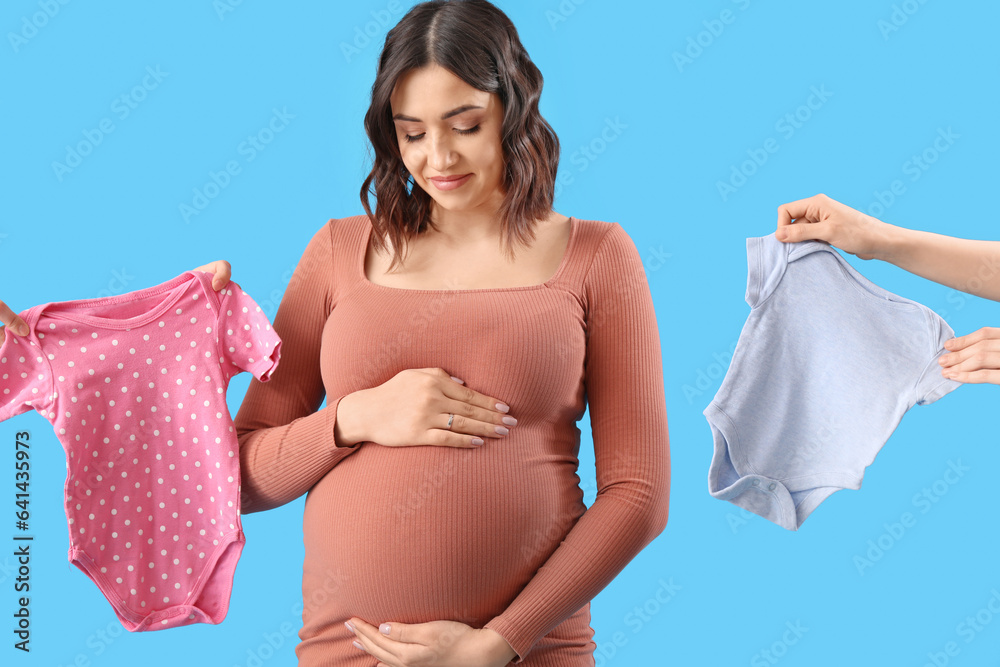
(503, 407)
(357, 645)
(384, 628)
(350, 627)
(477, 441)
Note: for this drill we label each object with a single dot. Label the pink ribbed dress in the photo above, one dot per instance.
(497, 536)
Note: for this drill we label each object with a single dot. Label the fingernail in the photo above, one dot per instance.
(357, 645)
(503, 407)
(22, 329)
(477, 441)
(350, 627)
(384, 628)
(510, 421)
(457, 380)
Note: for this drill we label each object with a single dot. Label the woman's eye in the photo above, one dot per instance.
(471, 130)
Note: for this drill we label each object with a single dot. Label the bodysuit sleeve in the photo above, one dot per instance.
(247, 342)
(24, 376)
(624, 387)
(767, 258)
(286, 442)
(932, 385)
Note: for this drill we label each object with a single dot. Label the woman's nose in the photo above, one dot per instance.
(440, 155)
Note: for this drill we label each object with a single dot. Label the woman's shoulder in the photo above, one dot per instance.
(595, 226)
(351, 224)
(338, 232)
(332, 243)
(611, 251)
(599, 234)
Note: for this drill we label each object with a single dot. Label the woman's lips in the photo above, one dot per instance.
(450, 182)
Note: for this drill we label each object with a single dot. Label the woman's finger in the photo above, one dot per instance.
(222, 271)
(809, 208)
(975, 358)
(803, 231)
(961, 342)
(12, 319)
(986, 375)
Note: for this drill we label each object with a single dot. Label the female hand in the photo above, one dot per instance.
(433, 644)
(823, 219)
(412, 408)
(974, 357)
(11, 319)
(220, 268)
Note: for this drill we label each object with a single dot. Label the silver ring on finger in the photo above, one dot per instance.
(451, 418)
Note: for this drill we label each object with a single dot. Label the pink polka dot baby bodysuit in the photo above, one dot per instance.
(134, 387)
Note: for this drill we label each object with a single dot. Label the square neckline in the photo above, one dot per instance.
(570, 245)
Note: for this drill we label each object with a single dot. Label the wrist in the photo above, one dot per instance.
(887, 240)
(346, 432)
(500, 650)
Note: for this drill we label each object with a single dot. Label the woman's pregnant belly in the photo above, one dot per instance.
(426, 533)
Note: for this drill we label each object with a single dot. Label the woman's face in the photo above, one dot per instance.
(447, 128)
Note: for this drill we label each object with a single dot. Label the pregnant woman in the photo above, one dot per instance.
(444, 523)
(448, 512)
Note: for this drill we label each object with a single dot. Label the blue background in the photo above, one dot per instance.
(113, 224)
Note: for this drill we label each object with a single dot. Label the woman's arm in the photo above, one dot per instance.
(624, 384)
(967, 265)
(970, 266)
(286, 443)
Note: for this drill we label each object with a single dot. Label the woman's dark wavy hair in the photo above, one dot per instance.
(476, 41)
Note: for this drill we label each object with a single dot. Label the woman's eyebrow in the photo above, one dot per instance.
(444, 116)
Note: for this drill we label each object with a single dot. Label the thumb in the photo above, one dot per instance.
(800, 231)
(396, 630)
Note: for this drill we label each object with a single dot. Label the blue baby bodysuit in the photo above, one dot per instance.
(825, 367)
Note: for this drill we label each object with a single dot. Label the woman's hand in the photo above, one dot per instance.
(11, 319)
(433, 644)
(220, 268)
(823, 219)
(974, 357)
(412, 408)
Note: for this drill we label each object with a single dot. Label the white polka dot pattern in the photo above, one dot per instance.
(134, 387)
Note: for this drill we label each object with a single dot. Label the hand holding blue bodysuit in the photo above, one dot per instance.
(963, 264)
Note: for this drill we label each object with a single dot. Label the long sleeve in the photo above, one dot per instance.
(286, 443)
(624, 387)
